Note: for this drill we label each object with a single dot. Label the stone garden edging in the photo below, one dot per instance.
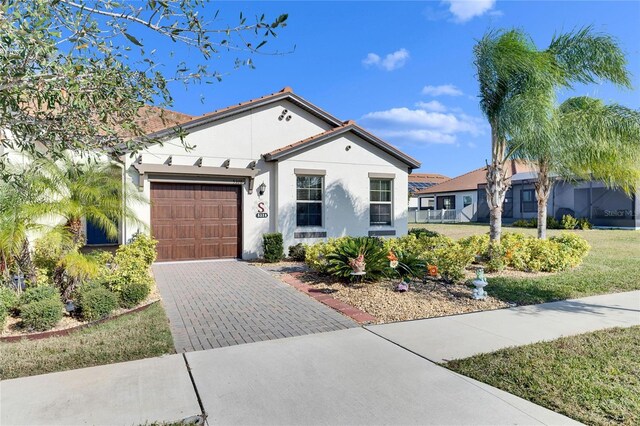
(67, 331)
(355, 314)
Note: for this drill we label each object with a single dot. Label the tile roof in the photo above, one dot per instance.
(152, 118)
(470, 180)
(428, 177)
(347, 126)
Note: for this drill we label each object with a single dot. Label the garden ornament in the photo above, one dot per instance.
(358, 264)
(480, 282)
(393, 259)
(403, 286)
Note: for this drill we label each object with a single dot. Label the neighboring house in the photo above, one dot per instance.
(456, 200)
(603, 207)
(463, 199)
(418, 182)
(274, 164)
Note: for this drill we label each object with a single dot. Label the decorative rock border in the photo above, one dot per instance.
(67, 331)
(356, 314)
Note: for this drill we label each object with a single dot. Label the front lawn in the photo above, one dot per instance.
(139, 335)
(613, 265)
(593, 378)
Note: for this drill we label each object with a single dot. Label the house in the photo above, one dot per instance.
(604, 207)
(273, 164)
(463, 199)
(456, 200)
(418, 182)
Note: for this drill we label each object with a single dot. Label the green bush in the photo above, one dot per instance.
(584, 224)
(4, 313)
(298, 252)
(452, 261)
(422, 232)
(42, 314)
(573, 247)
(476, 244)
(552, 223)
(38, 294)
(422, 247)
(525, 223)
(375, 257)
(497, 257)
(135, 291)
(142, 247)
(96, 302)
(50, 248)
(273, 247)
(8, 299)
(569, 222)
(316, 254)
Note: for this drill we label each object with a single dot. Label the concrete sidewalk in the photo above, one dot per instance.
(460, 336)
(352, 376)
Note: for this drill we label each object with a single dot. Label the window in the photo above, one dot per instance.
(309, 200)
(528, 201)
(380, 197)
(447, 203)
(467, 200)
(426, 203)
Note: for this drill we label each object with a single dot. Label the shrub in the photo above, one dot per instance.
(316, 254)
(552, 223)
(50, 248)
(476, 244)
(142, 247)
(422, 247)
(8, 299)
(38, 294)
(135, 291)
(573, 247)
(569, 222)
(273, 247)
(584, 224)
(42, 314)
(497, 257)
(4, 313)
(422, 232)
(298, 252)
(96, 302)
(373, 250)
(525, 223)
(452, 260)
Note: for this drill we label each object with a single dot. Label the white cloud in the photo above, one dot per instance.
(444, 89)
(465, 10)
(390, 62)
(420, 125)
(434, 106)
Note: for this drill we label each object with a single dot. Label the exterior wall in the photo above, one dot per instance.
(244, 138)
(346, 189)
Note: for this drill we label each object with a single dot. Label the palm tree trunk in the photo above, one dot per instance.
(25, 263)
(497, 185)
(543, 186)
(74, 225)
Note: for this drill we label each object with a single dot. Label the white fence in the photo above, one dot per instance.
(466, 214)
(434, 216)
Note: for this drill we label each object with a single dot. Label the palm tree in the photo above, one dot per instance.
(592, 141)
(23, 200)
(93, 190)
(517, 91)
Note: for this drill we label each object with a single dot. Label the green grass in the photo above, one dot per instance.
(593, 378)
(139, 335)
(612, 266)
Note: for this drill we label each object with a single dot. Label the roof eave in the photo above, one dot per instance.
(409, 161)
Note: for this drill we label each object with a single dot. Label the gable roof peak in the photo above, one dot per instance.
(286, 89)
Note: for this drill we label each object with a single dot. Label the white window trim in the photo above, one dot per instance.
(321, 201)
(389, 177)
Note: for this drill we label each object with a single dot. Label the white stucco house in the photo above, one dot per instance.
(273, 164)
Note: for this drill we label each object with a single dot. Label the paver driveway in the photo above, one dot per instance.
(212, 304)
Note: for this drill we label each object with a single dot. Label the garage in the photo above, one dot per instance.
(196, 221)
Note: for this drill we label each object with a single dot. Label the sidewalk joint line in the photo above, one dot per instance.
(464, 378)
(195, 389)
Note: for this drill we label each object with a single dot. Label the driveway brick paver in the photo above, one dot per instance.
(224, 303)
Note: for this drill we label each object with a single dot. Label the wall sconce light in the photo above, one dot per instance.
(261, 189)
(347, 148)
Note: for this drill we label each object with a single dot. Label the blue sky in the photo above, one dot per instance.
(404, 70)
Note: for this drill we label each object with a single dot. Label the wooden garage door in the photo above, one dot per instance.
(194, 221)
